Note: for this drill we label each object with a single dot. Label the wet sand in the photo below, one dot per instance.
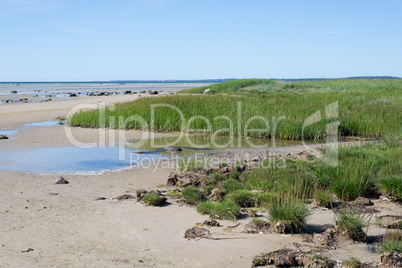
(66, 227)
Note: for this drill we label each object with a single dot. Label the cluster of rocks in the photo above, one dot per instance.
(298, 258)
(77, 94)
(292, 258)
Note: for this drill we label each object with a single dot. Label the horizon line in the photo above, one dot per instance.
(202, 80)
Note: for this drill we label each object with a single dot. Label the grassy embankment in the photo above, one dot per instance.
(371, 108)
(285, 191)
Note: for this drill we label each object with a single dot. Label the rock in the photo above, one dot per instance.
(391, 222)
(153, 92)
(14, 92)
(356, 235)
(257, 227)
(216, 195)
(212, 223)
(390, 260)
(124, 197)
(292, 258)
(3, 137)
(207, 91)
(27, 250)
(285, 228)
(127, 92)
(61, 181)
(197, 232)
(324, 239)
(99, 198)
(173, 149)
(172, 181)
(53, 194)
(362, 201)
(371, 248)
(252, 213)
(73, 95)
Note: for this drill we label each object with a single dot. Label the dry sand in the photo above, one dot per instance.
(71, 229)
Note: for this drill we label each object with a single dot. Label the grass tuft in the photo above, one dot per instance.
(154, 199)
(351, 224)
(392, 242)
(192, 195)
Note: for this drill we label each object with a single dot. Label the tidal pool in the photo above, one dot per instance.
(42, 124)
(138, 153)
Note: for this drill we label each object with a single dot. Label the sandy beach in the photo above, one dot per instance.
(66, 226)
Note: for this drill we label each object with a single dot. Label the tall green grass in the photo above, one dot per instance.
(231, 86)
(365, 113)
(245, 86)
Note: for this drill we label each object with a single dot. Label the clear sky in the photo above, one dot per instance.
(86, 40)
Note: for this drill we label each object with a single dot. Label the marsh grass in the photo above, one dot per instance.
(153, 199)
(364, 110)
(323, 197)
(243, 198)
(352, 263)
(291, 213)
(392, 187)
(224, 210)
(392, 242)
(191, 164)
(232, 185)
(352, 224)
(192, 195)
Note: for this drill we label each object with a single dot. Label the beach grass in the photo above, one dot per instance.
(368, 108)
(392, 242)
(284, 192)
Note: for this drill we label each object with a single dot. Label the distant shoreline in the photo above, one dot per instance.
(196, 80)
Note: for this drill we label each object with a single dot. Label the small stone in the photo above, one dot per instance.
(212, 223)
(324, 239)
(196, 233)
(173, 149)
(362, 201)
(124, 197)
(53, 194)
(391, 222)
(99, 198)
(27, 250)
(172, 181)
(61, 181)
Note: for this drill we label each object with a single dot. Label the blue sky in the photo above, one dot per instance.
(70, 40)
